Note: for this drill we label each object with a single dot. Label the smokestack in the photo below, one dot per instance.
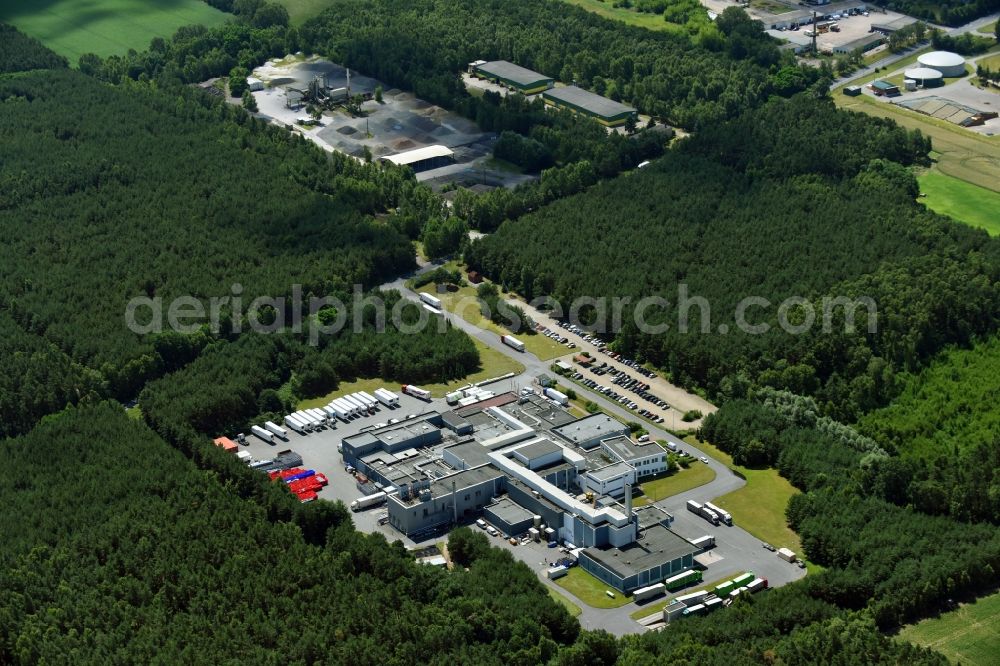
(815, 51)
(628, 501)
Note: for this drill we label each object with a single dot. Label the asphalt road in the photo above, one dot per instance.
(737, 549)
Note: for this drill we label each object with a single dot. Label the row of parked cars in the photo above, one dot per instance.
(555, 335)
(635, 365)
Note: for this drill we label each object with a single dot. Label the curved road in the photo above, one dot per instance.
(730, 540)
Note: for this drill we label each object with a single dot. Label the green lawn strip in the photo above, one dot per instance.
(698, 474)
(591, 591)
(573, 609)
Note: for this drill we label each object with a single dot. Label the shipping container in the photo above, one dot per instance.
(786, 554)
(387, 397)
(693, 598)
(276, 429)
(712, 604)
(694, 610)
(704, 542)
(356, 405)
(295, 424)
(343, 410)
(650, 592)
(683, 579)
(556, 396)
(724, 588)
(556, 572)
(745, 579)
(757, 584)
(265, 435)
(372, 401)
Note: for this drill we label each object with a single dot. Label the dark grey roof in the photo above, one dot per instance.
(590, 427)
(537, 449)
(511, 72)
(657, 546)
(585, 99)
(509, 511)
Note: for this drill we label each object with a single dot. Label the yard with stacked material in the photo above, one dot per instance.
(105, 27)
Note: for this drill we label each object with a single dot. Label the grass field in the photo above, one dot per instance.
(573, 609)
(759, 506)
(971, 204)
(492, 364)
(698, 474)
(649, 609)
(967, 635)
(463, 302)
(590, 590)
(966, 155)
(300, 10)
(104, 27)
(988, 29)
(627, 16)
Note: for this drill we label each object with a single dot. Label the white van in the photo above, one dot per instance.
(481, 524)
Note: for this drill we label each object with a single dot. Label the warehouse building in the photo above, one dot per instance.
(606, 111)
(513, 76)
(865, 43)
(423, 159)
(892, 26)
(884, 88)
(654, 557)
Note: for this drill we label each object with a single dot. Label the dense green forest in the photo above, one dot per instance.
(20, 53)
(231, 384)
(133, 555)
(170, 195)
(796, 199)
(421, 45)
(944, 12)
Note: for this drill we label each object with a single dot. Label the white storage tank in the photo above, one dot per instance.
(949, 64)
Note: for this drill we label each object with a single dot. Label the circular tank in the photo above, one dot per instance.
(949, 64)
(924, 76)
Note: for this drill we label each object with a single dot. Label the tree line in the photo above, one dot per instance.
(21, 53)
(944, 12)
(829, 206)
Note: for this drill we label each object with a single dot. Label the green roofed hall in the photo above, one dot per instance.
(607, 111)
(517, 77)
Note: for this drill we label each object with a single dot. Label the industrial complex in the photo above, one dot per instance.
(520, 461)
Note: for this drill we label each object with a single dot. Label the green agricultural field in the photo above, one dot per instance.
(588, 589)
(300, 10)
(969, 635)
(966, 155)
(104, 27)
(971, 204)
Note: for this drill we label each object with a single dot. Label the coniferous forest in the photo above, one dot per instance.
(137, 541)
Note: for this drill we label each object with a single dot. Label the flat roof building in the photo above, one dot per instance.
(654, 557)
(606, 111)
(445, 501)
(509, 517)
(587, 433)
(423, 159)
(514, 76)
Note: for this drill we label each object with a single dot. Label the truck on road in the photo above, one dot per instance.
(432, 301)
(723, 515)
(700, 510)
(512, 342)
(368, 501)
(416, 391)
